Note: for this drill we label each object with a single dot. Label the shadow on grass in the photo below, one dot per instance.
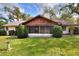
(3, 49)
(12, 37)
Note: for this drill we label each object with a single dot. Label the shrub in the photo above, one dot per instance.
(24, 35)
(19, 30)
(2, 32)
(57, 31)
(25, 30)
(22, 32)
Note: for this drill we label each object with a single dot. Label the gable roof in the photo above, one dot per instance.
(63, 22)
(58, 21)
(15, 23)
(66, 23)
(39, 16)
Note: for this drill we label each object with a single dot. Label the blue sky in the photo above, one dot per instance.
(30, 8)
(33, 9)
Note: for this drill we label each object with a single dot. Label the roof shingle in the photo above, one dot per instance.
(15, 23)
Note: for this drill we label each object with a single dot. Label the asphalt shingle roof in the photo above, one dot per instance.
(58, 21)
(15, 23)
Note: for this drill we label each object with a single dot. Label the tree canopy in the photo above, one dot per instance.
(69, 11)
(15, 13)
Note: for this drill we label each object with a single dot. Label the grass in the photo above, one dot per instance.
(65, 46)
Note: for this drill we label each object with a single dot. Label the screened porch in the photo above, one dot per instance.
(39, 29)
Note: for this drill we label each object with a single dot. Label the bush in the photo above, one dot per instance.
(23, 35)
(57, 31)
(76, 30)
(2, 32)
(22, 32)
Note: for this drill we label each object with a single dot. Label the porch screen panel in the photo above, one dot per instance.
(33, 29)
(45, 29)
(48, 29)
(39, 29)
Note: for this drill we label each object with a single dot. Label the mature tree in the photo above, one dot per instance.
(25, 16)
(2, 21)
(7, 9)
(9, 12)
(50, 12)
(28, 16)
(68, 11)
(67, 17)
(15, 13)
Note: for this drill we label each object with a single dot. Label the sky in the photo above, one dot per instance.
(33, 9)
(30, 8)
(37, 8)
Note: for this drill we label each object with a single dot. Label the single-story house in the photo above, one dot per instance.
(11, 26)
(41, 25)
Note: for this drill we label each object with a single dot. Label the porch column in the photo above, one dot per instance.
(7, 32)
(71, 30)
(39, 29)
(67, 30)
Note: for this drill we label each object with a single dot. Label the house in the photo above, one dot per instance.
(41, 26)
(11, 26)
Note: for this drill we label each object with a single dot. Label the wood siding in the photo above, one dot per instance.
(40, 22)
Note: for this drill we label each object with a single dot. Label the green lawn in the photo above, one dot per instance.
(65, 46)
